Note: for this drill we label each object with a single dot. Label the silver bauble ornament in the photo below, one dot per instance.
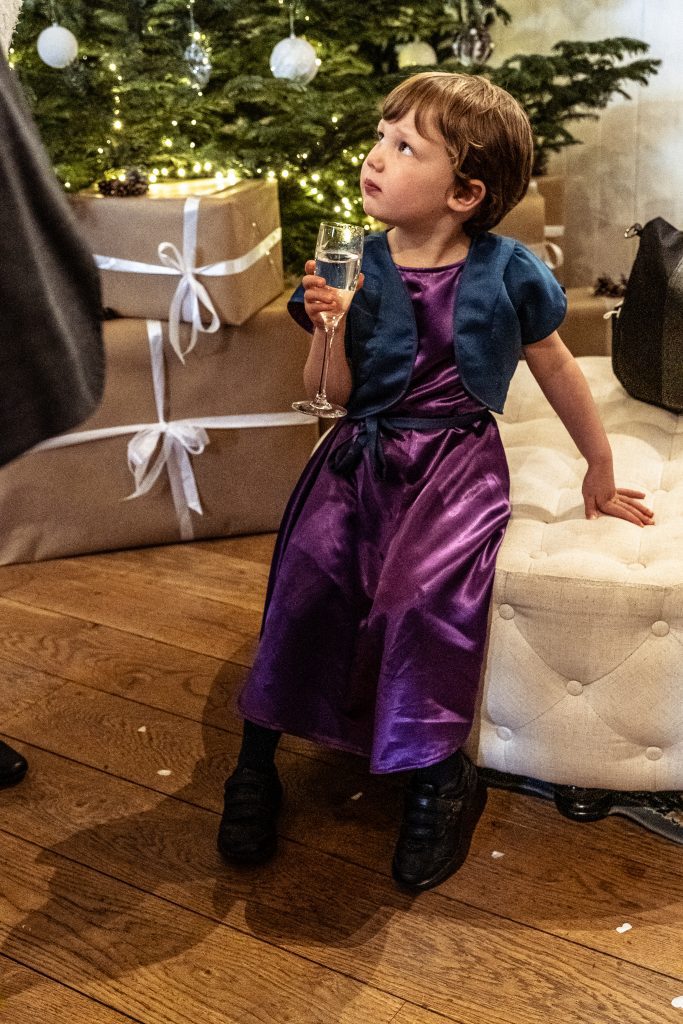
(416, 54)
(57, 47)
(199, 63)
(473, 45)
(295, 59)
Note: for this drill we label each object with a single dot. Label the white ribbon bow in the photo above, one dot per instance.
(173, 442)
(190, 292)
(179, 440)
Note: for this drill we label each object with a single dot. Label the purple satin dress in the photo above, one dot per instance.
(376, 615)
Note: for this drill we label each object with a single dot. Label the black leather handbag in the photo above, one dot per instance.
(647, 328)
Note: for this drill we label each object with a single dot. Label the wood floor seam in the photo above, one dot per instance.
(70, 988)
(103, 771)
(377, 872)
(106, 625)
(436, 895)
(26, 706)
(120, 681)
(287, 951)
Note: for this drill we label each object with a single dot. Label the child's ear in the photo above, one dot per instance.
(467, 197)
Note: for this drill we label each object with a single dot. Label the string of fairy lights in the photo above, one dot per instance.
(310, 180)
(317, 185)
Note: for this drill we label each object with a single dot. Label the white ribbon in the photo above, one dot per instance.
(243, 421)
(178, 442)
(549, 252)
(179, 439)
(191, 295)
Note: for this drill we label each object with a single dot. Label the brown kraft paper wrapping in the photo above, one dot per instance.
(68, 500)
(230, 224)
(526, 221)
(585, 331)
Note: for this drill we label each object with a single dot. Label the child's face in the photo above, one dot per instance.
(406, 178)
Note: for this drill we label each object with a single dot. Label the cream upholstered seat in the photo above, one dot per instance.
(583, 682)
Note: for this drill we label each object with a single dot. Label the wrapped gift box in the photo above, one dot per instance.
(526, 221)
(155, 248)
(236, 386)
(553, 189)
(585, 331)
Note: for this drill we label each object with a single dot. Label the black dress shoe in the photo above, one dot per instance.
(437, 828)
(248, 829)
(13, 766)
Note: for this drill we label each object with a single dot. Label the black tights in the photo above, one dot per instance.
(259, 745)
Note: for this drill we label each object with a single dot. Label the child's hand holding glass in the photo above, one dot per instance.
(319, 297)
(329, 286)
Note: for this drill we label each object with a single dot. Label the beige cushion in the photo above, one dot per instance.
(583, 682)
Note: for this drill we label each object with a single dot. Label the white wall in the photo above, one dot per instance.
(630, 167)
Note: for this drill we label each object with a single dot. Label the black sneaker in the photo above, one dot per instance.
(248, 829)
(437, 828)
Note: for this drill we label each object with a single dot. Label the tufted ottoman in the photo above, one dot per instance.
(582, 695)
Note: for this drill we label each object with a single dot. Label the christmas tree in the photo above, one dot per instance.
(183, 88)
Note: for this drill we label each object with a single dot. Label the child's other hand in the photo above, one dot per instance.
(318, 297)
(601, 497)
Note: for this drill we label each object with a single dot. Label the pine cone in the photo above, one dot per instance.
(134, 184)
(606, 286)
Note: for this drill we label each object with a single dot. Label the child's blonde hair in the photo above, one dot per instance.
(486, 131)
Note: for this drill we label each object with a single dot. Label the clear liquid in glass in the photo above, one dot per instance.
(338, 253)
(340, 270)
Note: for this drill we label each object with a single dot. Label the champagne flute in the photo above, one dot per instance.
(338, 254)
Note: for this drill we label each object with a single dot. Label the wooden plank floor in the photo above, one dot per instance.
(120, 673)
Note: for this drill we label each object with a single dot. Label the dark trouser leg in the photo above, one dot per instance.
(451, 769)
(258, 747)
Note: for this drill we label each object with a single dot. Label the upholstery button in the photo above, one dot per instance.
(538, 554)
(503, 733)
(653, 753)
(506, 611)
(635, 566)
(660, 628)
(574, 687)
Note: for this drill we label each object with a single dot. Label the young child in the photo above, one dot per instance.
(376, 612)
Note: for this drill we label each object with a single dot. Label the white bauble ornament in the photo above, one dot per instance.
(57, 47)
(199, 63)
(415, 54)
(294, 59)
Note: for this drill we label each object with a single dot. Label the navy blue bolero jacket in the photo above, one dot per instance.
(507, 298)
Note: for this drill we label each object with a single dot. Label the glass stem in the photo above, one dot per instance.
(321, 397)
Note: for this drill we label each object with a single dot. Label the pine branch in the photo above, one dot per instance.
(311, 137)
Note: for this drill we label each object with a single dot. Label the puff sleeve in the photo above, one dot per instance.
(539, 301)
